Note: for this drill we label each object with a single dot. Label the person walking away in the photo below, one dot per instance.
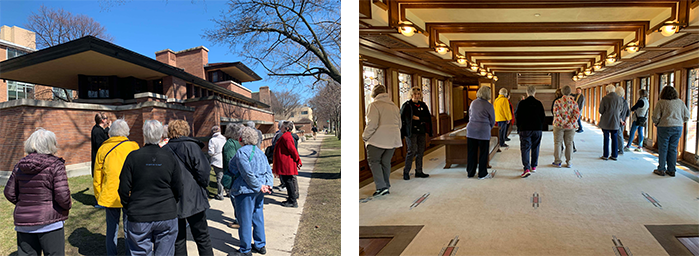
(620, 91)
(481, 119)
(216, 146)
(314, 130)
(416, 122)
(286, 164)
(100, 133)
(108, 166)
(610, 110)
(232, 145)
(194, 173)
(38, 187)
(149, 189)
(382, 135)
(580, 101)
(252, 179)
(566, 114)
(503, 115)
(529, 115)
(639, 120)
(670, 113)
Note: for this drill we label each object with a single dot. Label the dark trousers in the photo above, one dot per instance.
(200, 233)
(609, 135)
(292, 187)
(415, 145)
(502, 132)
(530, 148)
(152, 238)
(50, 243)
(477, 149)
(379, 160)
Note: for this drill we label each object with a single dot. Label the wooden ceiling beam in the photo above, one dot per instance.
(535, 43)
(534, 60)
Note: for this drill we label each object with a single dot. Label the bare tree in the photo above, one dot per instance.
(290, 38)
(326, 105)
(57, 26)
(283, 103)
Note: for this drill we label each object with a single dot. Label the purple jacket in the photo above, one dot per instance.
(38, 187)
(481, 120)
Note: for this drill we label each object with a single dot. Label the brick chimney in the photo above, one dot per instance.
(193, 60)
(264, 95)
(167, 56)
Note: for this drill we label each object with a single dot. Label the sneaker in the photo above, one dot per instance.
(488, 176)
(384, 192)
(672, 174)
(574, 150)
(626, 148)
(422, 175)
(507, 139)
(533, 170)
(579, 131)
(379, 191)
(568, 165)
(219, 197)
(504, 145)
(525, 174)
(238, 253)
(290, 204)
(638, 149)
(406, 176)
(604, 158)
(262, 250)
(558, 165)
(660, 173)
(613, 158)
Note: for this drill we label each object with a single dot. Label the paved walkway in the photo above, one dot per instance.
(281, 223)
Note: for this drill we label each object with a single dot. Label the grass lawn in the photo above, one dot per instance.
(319, 227)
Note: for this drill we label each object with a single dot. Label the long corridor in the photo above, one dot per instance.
(555, 211)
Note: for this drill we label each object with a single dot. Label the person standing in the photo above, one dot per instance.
(230, 148)
(610, 110)
(503, 115)
(252, 179)
(416, 122)
(251, 124)
(481, 119)
(194, 173)
(278, 134)
(623, 120)
(150, 187)
(216, 146)
(669, 116)
(286, 164)
(38, 187)
(529, 115)
(566, 114)
(382, 135)
(580, 101)
(639, 120)
(100, 133)
(108, 167)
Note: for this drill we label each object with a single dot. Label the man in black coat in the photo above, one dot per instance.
(529, 116)
(99, 134)
(416, 122)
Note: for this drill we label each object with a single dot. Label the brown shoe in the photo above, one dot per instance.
(672, 174)
(233, 225)
(660, 173)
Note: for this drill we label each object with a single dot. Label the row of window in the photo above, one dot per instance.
(375, 76)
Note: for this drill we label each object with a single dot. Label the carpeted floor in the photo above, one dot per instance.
(575, 216)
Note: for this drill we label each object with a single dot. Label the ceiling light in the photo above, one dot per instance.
(575, 78)
(489, 75)
(669, 28)
(597, 66)
(495, 78)
(580, 75)
(632, 48)
(611, 58)
(407, 29)
(474, 67)
(461, 60)
(587, 72)
(537, 15)
(441, 49)
(482, 72)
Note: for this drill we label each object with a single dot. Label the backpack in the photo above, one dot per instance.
(269, 152)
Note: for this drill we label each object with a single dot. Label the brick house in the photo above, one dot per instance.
(107, 78)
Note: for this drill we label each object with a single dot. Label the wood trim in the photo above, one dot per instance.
(365, 9)
(535, 60)
(694, 4)
(380, 4)
(572, 66)
(552, 53)
(496, 4)
(536, 43)
(371, 61)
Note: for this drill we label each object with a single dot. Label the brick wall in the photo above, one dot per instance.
(174, 87)
(235, 88)
(167, 56)
(193, 61)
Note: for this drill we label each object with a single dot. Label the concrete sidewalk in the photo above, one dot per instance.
(281, 223)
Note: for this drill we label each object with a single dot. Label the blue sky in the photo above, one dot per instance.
(149, 26)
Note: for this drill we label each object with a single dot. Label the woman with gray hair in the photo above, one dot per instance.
(286, 164)
(232, 134)
(669, 116)
(382, 135)
(38, 187)
(481, 119)
(620, 91)
(610, 111)
(252, 178)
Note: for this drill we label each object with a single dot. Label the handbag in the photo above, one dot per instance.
(227, 180)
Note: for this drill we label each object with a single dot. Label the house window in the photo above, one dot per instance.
(426, 92)
(405, 85)
(19, 90)
(371, 77)
(60, 93)
(215, 76)
(98, 87)
(441, 96)
(11, 53)
(665, 80)
(304, 112)
(644, 81)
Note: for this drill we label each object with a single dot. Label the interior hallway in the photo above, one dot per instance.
(576, 215)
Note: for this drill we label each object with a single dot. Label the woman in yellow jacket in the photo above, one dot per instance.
(503, 115)
(108, 166)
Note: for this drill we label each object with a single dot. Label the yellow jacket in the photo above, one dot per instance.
(107, 171)
(502, 108)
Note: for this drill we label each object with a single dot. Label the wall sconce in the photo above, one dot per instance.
(406, 28)
(482, 72)
(474, 67)
(611, 58)
(669, 28)
(489, 75)
(580, 75)
(461, 60)
(632, 48)
(587, 72)
(597, 66)
(495, 78)
(575, 78)
(441, 49)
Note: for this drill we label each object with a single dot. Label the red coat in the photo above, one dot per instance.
(286, 157)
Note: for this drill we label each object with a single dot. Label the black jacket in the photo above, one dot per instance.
(98, 136)
(529, 115)
(407, 118)
(194, 171)
(150, 184)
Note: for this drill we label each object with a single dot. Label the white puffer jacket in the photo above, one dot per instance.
(383, 129)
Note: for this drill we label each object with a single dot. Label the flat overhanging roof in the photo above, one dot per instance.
(60, 65)
(234, 69)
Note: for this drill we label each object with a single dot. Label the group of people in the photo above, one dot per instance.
(413, 120)
(159, 189)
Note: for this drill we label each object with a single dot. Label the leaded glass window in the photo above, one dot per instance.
(426, 92)
(371, 77)
(404, 87)
(441, 97)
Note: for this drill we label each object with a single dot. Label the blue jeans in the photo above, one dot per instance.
(668, 147)
(152, 238)
(530, 148)
(112, 216)
(580, 128)
(250, 220)
(607, 136)
(634, 129)
(502, 132)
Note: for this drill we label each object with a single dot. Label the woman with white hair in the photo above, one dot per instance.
(252, 178)
(108, 166)
(620, 91)
(382, 135)
(38, 187)
(216, 147)
(503, 115)
(481, 119)
(286, 164)
(610, 111)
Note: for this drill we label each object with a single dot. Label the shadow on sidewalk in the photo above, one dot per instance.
(321, 175)
(313, 153)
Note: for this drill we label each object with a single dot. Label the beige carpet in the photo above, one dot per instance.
(576, 216)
